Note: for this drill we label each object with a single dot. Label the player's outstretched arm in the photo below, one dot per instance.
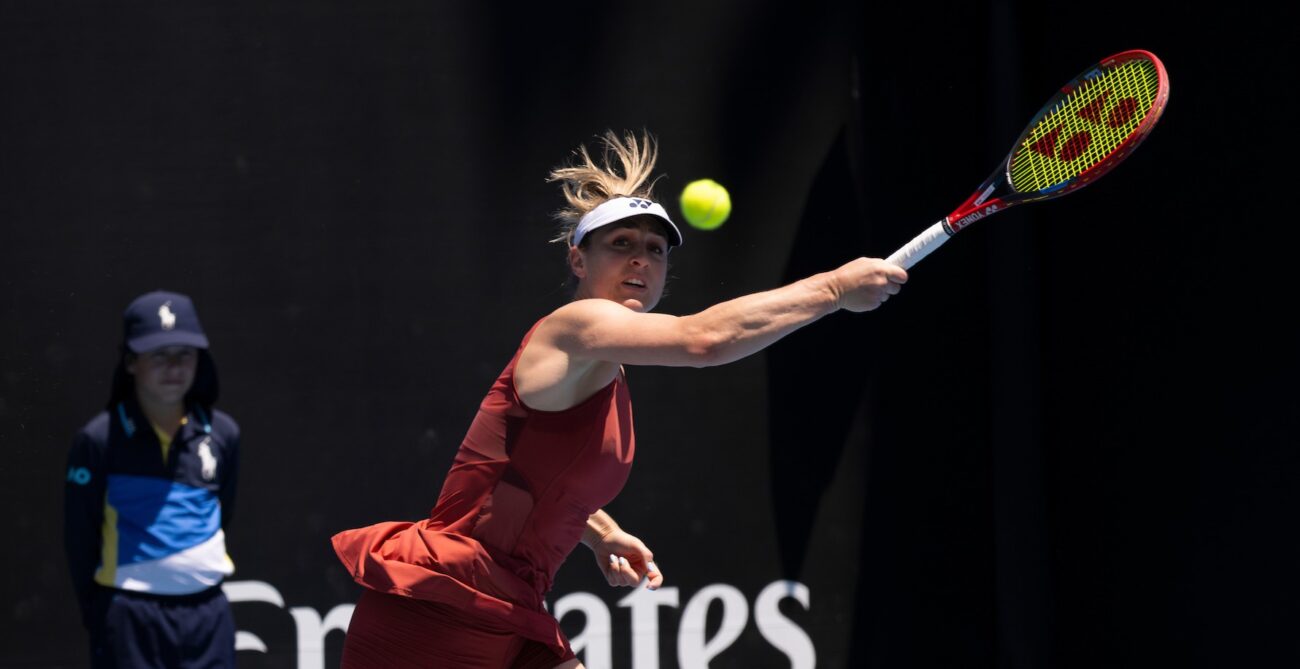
(603, 330)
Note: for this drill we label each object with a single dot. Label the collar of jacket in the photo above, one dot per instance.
(131, 415)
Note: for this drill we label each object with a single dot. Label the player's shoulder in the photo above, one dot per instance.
(576, 318)
(579, 311)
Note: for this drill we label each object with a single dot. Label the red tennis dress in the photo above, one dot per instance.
(513, 506)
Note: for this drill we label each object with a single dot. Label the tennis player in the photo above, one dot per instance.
(553, 439)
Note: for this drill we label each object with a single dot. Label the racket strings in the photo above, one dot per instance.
(1085, 126)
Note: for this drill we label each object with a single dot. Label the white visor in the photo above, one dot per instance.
(620, 208)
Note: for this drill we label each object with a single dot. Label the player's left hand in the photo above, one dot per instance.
(625, 561)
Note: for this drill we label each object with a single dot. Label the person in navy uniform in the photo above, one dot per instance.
(149, 494)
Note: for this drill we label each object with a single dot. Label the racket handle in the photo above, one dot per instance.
(920, 247)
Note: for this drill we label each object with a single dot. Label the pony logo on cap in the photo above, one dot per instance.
(165, 315)
(638, 202)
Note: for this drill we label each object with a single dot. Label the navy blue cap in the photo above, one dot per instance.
(159, 319)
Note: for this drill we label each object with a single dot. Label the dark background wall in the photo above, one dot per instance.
(1070, 442)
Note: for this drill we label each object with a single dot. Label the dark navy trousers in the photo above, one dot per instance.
(142, 631)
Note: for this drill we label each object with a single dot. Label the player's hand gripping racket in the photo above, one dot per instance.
(1091, 125)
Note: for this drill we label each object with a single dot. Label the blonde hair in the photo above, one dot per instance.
(586, 184)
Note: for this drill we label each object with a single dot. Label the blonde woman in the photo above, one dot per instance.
(553, 439)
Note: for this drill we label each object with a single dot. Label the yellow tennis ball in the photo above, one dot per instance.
(705, 204)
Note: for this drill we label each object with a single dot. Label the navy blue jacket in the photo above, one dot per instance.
(135, 522)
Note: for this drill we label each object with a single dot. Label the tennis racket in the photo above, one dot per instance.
(1091, 125)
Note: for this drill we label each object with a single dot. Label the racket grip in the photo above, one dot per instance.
(920, 247)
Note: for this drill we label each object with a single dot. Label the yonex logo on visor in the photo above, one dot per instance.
(619, 208)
